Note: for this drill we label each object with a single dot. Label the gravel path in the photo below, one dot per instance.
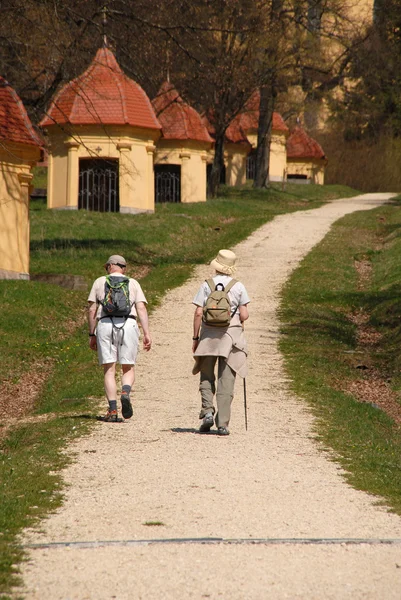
(270, 482)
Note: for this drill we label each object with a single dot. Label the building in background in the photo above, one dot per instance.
(248, 121)
(306, 160)
(181, 152)
(20, 150)
(102, 130)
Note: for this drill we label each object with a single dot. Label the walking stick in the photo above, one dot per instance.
(245, 408)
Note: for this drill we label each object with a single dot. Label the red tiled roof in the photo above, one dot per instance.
(103, 94)
(234, 133)
(15, 125)
(248, 119)
(278, 123)
(179, 121)
(208, 125)
(301, 145)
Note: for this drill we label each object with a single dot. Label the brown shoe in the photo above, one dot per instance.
(110, 417)
(207, 423)
(222, 431)
(126, 406)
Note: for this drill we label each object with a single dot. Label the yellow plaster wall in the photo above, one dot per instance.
(278, 153)
(278, 157)
(133, 147)
(57, 174)
(353, 19)
(235, 162)
(314, 170)
(252, 138)
(361, 9)
(338, 32)
(15, 177)
(192, 157)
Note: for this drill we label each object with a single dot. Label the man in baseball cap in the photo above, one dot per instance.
(116, 302)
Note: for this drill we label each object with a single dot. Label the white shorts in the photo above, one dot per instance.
(117, 340)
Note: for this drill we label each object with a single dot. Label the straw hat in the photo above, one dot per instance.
(225, 262)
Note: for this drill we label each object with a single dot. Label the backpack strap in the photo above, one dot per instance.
(226, 288)
(210, 283)
(230, 285)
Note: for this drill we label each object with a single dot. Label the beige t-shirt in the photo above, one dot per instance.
(97, 294)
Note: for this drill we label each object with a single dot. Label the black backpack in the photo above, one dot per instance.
(116, 301)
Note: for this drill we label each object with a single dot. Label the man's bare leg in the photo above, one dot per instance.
(110, 385)
(128, 375)
(128, 379)
(110, 388)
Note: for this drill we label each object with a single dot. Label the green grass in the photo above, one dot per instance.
(30, 463)
(39, 177)
(43, 330)
(319, 344)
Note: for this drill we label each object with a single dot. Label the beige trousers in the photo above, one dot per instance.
(225, 388)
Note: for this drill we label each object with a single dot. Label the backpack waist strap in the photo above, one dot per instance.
(111, 317)
(115, 332)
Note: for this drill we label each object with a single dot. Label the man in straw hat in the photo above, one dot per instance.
(116, 338)
(225, 346)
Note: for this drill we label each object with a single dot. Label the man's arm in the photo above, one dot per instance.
(92, 310)
(243, 312)
(144, 320)
(197, 325)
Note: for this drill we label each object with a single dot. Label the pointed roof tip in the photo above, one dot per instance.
(248, 118)
(165, 87)
(104, 95)
(15, 124)
(179, 121)
(166, 94)
(301, 145)
(105, 57)
(104, 25)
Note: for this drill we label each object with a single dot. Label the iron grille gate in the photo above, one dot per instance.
(98, 185)
(251, 165)
(167, 183)
(222, 174)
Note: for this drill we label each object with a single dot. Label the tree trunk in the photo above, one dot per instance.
(217, 166)
(267, 100)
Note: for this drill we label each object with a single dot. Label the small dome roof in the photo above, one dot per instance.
(179, 121)
(249, 118)
(234, 133)
(15, 125)
(103, 94)
(301, 145)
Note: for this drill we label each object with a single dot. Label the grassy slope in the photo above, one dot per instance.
(51, 337)
(320, 343)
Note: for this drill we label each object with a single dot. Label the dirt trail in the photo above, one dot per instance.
(271, 482)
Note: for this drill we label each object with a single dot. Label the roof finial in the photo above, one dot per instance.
(104, 25)
(298, 120)
(168, 61)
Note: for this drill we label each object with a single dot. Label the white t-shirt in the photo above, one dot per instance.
(97, 294)
(237, 295)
